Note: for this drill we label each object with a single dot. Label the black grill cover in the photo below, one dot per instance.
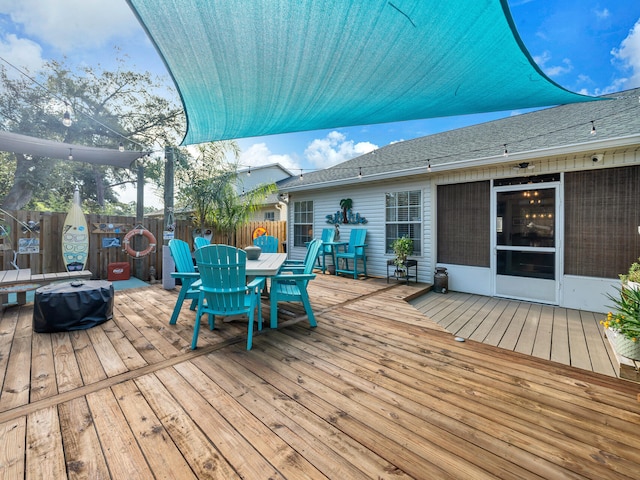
(76, 305)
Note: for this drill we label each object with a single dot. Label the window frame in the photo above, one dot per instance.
(395, 226)
(302, 222)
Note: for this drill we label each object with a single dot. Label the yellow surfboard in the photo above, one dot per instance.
(75, 237)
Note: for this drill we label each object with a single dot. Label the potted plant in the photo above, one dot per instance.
(624, 322)
(402, 247)
(631, 279)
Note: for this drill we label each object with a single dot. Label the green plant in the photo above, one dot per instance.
(626, 318)
(633, 275)
(402, 247)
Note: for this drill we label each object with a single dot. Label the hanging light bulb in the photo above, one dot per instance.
(66, 119)
(593, 128)
(249, 172)
(70, 154)
(506, 152)
(360, 172)
(429, 166)
(300, 174)
(121, 147)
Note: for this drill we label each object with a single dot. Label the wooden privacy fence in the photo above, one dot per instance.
(106, 233)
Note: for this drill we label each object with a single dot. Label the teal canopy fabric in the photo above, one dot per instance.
(256, 67)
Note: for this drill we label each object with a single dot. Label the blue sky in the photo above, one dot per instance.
(591, 47)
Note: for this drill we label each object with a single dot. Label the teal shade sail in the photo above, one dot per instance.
(248, 68)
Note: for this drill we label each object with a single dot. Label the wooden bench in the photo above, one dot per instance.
(22, 281)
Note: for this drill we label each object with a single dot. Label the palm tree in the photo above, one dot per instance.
(345, 204)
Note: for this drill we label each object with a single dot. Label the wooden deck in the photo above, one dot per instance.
(377, 390)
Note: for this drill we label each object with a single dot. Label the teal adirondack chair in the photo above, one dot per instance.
(328, 234)
(186, 272)
(200, 242)
(224, 290)
(354, 251)
(267, 243)
(292, 287)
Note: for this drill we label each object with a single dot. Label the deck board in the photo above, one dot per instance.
(380, 389)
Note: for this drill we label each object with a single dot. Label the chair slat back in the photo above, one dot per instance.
(267, 243)
(357, 237)
(223, 273)
(200, 242)
(312, 254)
(328, 234)
(181, 253)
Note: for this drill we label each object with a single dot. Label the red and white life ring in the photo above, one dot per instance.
(142, 253)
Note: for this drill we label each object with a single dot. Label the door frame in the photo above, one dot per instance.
(518, 291)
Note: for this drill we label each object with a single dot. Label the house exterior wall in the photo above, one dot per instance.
(577, 292)
(369, 202)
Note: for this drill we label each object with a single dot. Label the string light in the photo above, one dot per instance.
(249, 172)
(429, 166)
(300, 174)
(360, 172)
(121, 147)
(593, 128)
(70, 154)
(506, 152)
(66, 118)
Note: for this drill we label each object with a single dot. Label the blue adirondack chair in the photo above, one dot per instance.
(200, 242)
(354, 251)
(267, 243)
(328, 234)
(186, 272)
(292, 287)
(224, 290)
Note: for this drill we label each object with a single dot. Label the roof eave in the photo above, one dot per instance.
(595, 146)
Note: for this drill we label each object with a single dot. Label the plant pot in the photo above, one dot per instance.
(624, 346)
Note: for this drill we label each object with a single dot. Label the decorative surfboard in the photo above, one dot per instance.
(75, 237)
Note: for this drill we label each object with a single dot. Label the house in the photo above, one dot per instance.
(273, 209)
(542, 207)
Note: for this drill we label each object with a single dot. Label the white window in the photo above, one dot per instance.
(403, 218)
(302, 223)
(270, 216)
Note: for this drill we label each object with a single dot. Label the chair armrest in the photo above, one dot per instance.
(193, 275)
(257, 282)
(294, 277)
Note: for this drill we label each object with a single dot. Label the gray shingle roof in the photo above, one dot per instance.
(560, 126)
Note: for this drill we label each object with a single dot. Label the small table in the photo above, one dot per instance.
(409, 264)
(332, 250)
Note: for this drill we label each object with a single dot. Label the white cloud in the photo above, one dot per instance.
(628, 57)
(259, 154)
(72, 24)
(334, 149)
(602, 14)
(552, 70)
(22, 53)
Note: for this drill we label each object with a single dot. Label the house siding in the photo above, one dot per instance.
(369, 202)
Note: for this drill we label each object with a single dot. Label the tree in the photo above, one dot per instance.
(108, 107)
(207, 186)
